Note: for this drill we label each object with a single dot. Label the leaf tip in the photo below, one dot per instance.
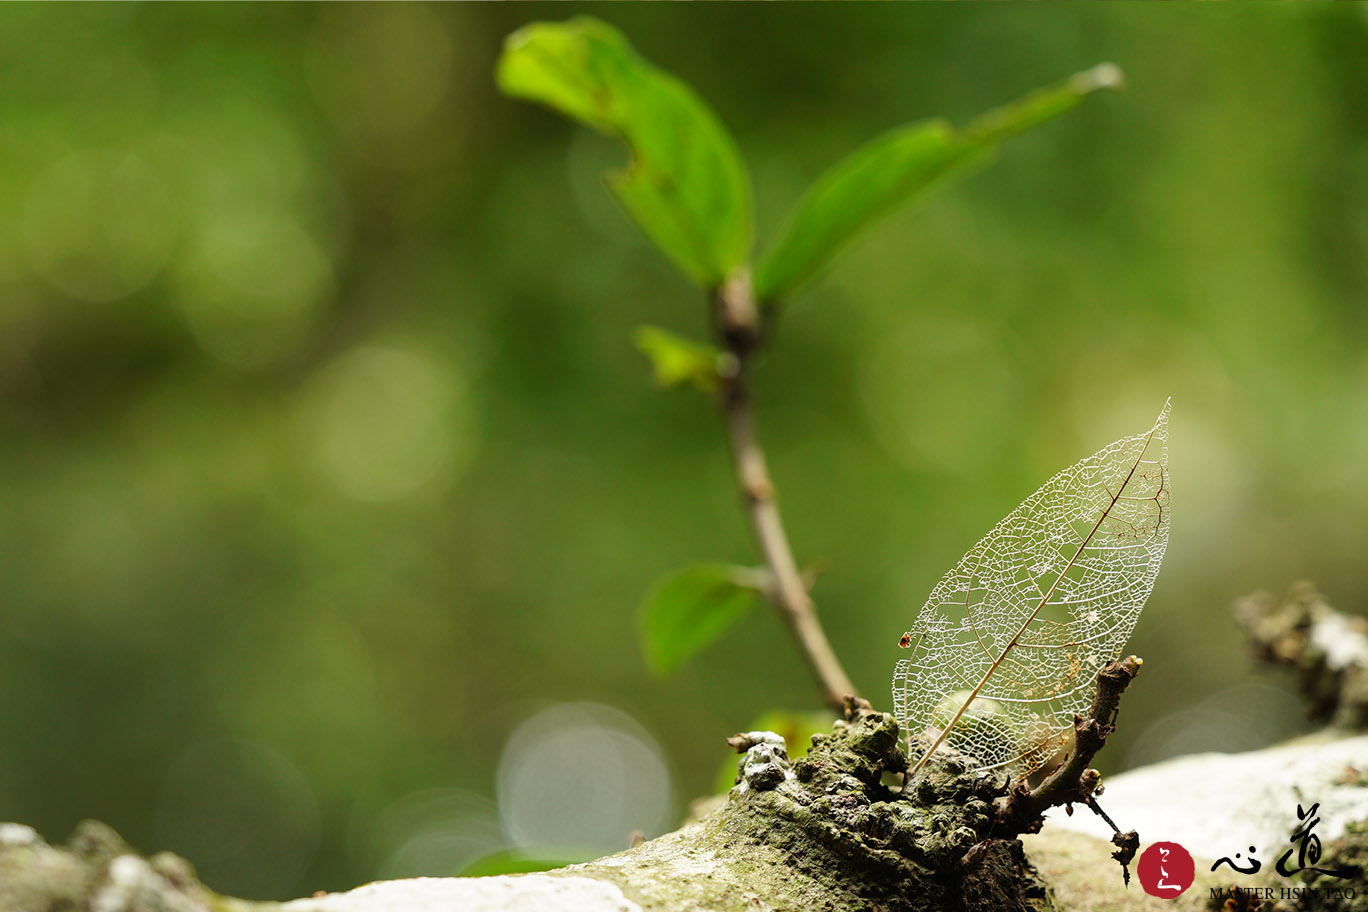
(1103, 76)
(688, 609)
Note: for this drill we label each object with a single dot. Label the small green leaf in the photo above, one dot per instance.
(691, 607)
(796, 728)
(893, 168)
(525, 861)
(685, 186)
(677, 360)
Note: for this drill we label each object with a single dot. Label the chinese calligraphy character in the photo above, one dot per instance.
(1309, 848)
(1163, 872)
(1254, 863)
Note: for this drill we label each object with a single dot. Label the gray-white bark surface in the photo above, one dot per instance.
(1217, 804)
(825, 833)
(796, 836)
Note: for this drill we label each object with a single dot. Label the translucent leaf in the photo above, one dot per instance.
(690, 608)
(1006, 649)
(685, 185)
(893, 168)
(677, 360)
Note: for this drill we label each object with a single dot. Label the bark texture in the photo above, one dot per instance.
(825, 832)
(1327, 648)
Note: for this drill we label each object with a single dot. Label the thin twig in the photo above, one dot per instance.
(1074, 782)
(741, 330)
(1097, 809)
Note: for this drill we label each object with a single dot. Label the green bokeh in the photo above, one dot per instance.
(328, 458)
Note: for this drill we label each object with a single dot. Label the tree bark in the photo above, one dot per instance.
(825, 832)
(821, 833)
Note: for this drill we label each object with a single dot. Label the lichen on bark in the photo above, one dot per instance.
(827, 830)
(1327, 648)
(97, 871)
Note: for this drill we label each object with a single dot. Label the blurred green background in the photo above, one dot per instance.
(331, 481)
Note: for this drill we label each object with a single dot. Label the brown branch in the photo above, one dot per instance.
(1074, 782)
(740, 327)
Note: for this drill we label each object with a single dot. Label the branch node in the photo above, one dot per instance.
(759, 489)
(1074, 781)
(857, 708)
(738, 319)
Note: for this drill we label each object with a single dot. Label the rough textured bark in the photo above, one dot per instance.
(825, 832)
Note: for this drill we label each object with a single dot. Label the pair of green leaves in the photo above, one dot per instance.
(688, 190)
(686, 186)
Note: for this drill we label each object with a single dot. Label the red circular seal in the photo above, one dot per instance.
(1165, 870)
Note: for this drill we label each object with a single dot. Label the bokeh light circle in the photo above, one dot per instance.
(99, 224)
(386, 422)
(253, 287)
(582, 775)
(435, 832)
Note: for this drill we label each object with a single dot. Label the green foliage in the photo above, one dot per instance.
(892, 169)
(688, 191)
(690, 608)
(182, 475)
(676, 360)
(686, 186)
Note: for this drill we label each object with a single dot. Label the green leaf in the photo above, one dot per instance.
(893, 168)
(691, 607)
(525, 861)
(677, 360)
(685, 185)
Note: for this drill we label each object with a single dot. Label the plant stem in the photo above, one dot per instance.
(1073, 782)
(740, 327)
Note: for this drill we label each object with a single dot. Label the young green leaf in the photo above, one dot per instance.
(893, 168)
(690, 608)
(685, 186)
(677, 360)
(526, 860)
